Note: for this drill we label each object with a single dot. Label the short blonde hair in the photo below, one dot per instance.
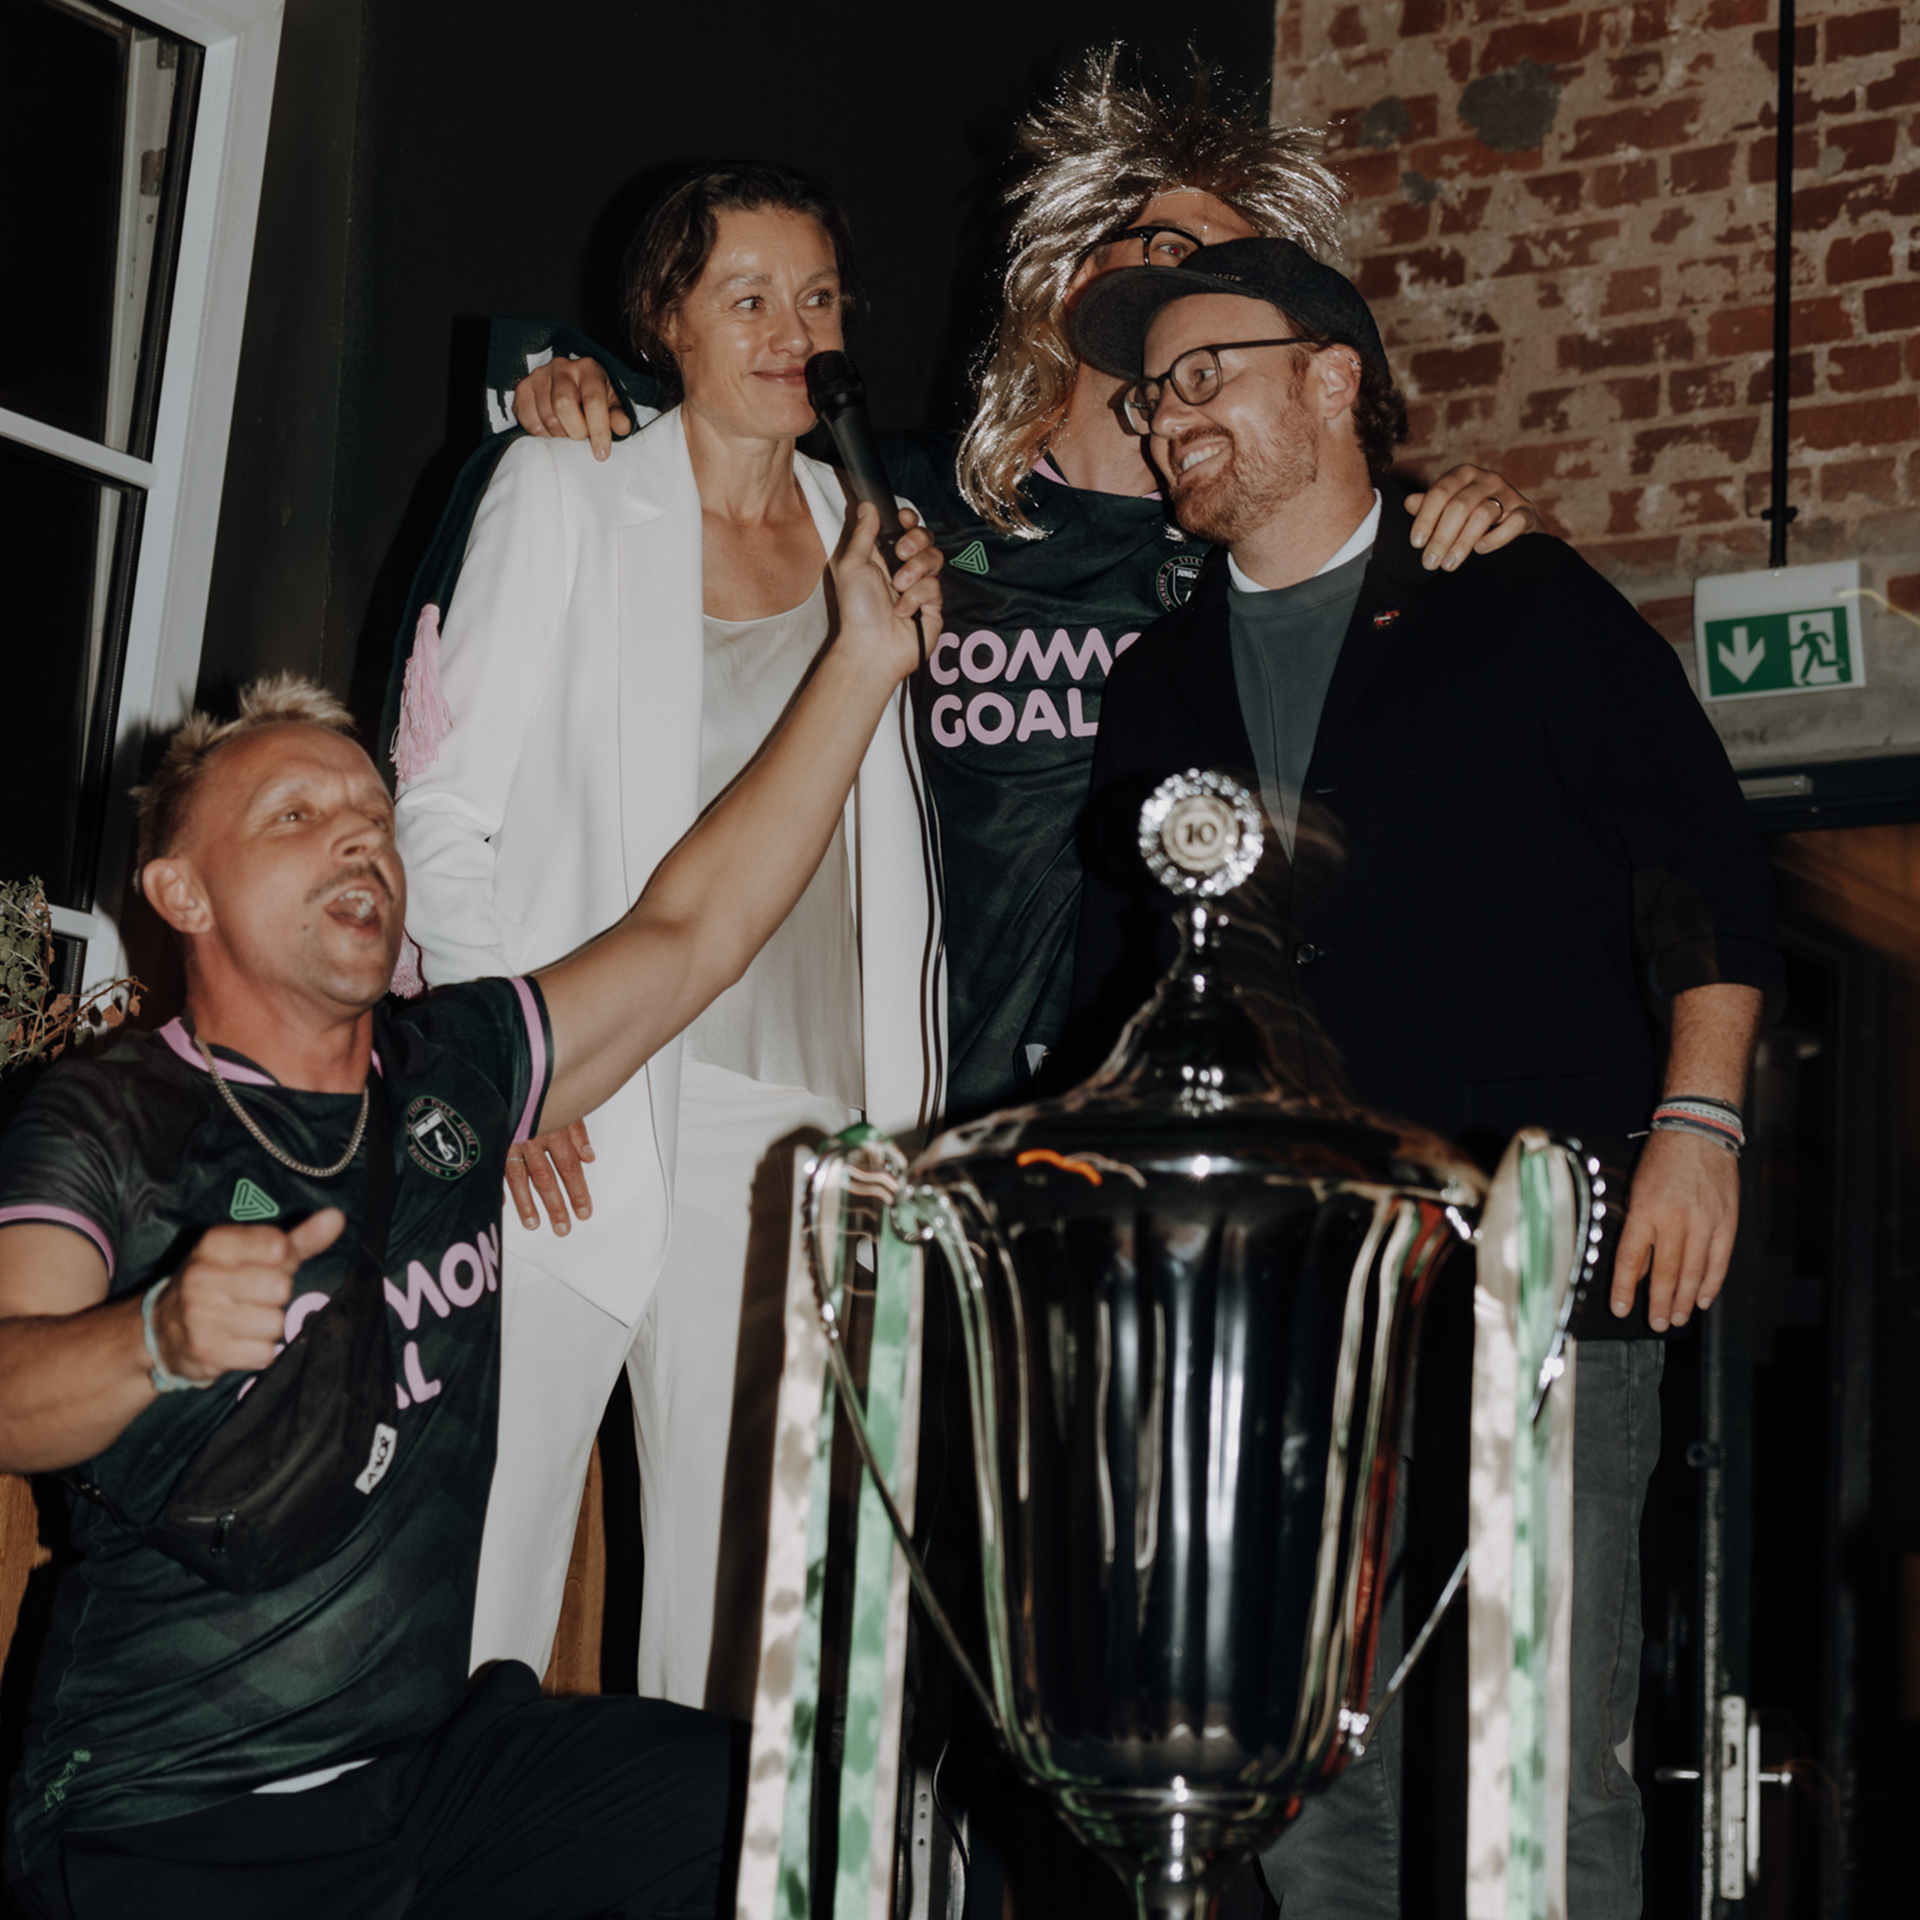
(283, 700)
(1098, 153)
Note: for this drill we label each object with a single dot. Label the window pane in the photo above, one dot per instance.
(96, 110)
(67, 544)
(69, 963)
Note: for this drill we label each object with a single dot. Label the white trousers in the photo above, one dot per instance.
(704, 1365)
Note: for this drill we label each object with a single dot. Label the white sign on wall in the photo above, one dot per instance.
(1787, 630)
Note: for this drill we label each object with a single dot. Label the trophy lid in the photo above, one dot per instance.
(1225, 1057)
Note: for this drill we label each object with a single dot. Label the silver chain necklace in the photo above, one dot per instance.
(286, 1159)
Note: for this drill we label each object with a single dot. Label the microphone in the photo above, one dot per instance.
(839, 397)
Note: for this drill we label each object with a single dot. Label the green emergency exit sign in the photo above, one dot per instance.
(1799, 652)
(1788, 630)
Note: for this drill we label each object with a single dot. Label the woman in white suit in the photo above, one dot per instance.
(622, 638)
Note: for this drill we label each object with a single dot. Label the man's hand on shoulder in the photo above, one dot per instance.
(1469, 510)
(226, 1309)
(572, 400)
(1682, 1211)
(551, 1166)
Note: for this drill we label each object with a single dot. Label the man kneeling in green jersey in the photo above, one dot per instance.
(172, 1210)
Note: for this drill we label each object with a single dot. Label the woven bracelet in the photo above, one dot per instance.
(1711, 1119)
(164, 1379)
(1719, 1113)
(1702, 1103)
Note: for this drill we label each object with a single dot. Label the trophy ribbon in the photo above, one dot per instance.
(776, 1872)
(1539, 1244)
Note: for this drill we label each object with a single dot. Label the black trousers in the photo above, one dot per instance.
(610, 1808)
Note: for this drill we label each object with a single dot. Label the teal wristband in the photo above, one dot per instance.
(164, 1379)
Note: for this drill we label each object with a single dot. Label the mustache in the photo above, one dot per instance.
(342, 877)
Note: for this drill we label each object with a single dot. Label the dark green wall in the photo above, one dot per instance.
(435, 161)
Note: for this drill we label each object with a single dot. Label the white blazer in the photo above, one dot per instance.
(571, 661)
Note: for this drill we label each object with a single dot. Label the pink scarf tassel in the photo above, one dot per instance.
(425, 717)
(408, 981)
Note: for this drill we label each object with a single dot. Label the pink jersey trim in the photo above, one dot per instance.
(537, 1048)
(174, 1033)
(1048, 471)
(61, 1217)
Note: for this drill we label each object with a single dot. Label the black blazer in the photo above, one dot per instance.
(1519, 835)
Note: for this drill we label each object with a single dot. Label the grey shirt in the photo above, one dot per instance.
(1286, 642)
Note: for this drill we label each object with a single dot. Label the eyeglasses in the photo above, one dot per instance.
(1197, 377)
(1159, 246)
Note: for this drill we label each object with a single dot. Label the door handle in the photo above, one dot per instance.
(1741, 1778)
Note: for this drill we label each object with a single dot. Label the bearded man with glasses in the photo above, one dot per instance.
(1489, 843)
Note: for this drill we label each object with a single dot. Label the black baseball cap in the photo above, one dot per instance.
(1111, 322)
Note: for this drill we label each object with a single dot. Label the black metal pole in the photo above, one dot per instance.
(1778, 512)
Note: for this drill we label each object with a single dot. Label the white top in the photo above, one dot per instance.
(794, 1019)
(1357, 543)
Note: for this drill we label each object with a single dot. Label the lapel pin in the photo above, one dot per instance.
(1386, 619)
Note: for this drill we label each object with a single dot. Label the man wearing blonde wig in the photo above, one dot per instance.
(1060, 548)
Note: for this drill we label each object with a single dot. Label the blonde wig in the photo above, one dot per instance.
(1099, 152)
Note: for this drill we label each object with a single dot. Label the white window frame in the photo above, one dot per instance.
(182, 480)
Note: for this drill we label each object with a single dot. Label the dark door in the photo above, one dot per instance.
(1757, 1542)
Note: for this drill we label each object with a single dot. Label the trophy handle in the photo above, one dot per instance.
(862, 1163)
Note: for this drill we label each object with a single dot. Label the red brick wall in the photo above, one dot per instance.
(1563, 217)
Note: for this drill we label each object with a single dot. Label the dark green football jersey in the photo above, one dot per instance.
(1007, 709)
(159, 1694)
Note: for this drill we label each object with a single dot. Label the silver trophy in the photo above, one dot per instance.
(1190, 1294)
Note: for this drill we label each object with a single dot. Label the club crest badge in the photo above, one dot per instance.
(1174, 581)
(439, 1139)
